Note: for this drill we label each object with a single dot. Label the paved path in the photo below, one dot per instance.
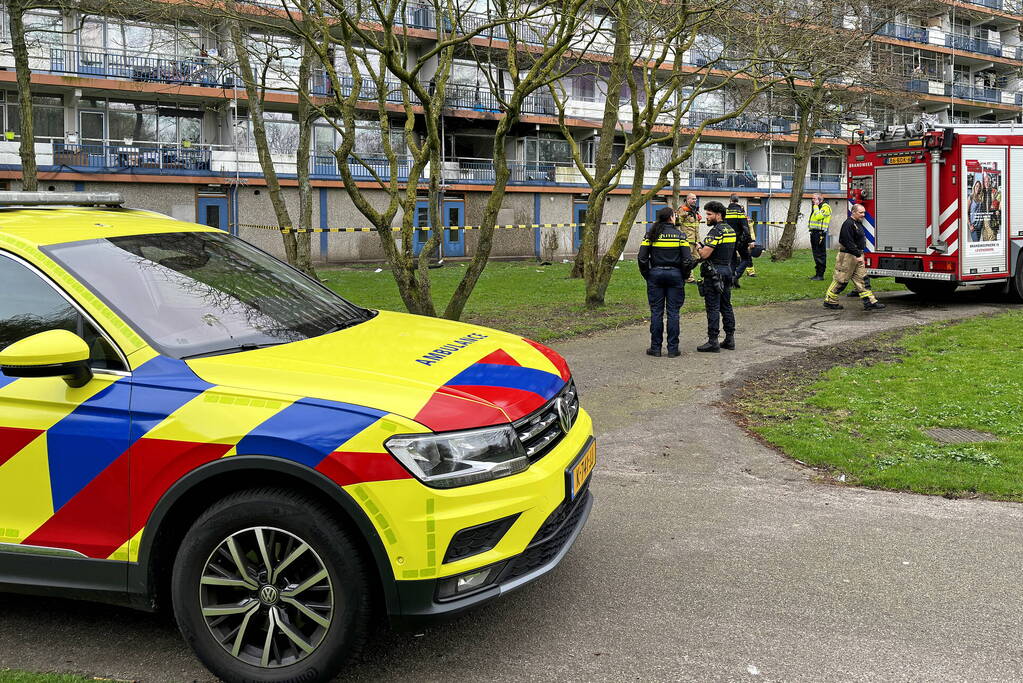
(707, 557)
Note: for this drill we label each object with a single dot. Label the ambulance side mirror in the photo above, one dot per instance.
(54, 353)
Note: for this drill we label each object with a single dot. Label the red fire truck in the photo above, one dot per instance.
(944, 205)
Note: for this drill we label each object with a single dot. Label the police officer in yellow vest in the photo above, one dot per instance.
(820, 221)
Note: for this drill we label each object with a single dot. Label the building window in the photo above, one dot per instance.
(47, 116)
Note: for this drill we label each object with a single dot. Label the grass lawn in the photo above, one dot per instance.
(8, 676)
(867, 420)
(544, 303)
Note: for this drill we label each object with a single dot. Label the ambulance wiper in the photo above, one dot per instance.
(233, 349)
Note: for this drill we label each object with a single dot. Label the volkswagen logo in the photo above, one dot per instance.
(269, 595)
(564, 414)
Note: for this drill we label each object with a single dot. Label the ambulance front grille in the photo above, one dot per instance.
(542, 430)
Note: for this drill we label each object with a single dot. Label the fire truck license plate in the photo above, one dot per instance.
(899, 160)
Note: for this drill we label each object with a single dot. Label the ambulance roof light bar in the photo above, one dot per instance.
(8, 199)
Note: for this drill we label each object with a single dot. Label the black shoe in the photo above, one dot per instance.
(818, 278)
(711, 346)
(674, 354)
(653, 352)
(728, 343)
(736, 285)
(876, 306)
(833, 307)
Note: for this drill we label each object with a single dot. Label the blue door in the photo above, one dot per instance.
(453, 240)
(753, 215)
(212, 211)
(578, 217)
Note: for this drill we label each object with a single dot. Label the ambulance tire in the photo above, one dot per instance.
(930, 290)
(319, 564)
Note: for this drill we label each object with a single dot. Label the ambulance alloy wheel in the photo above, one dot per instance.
(268, 587)
(929, 289)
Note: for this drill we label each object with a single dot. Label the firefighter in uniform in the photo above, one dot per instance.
(665, 261)
(735, 216)
(688, 219)
(849, 264)
(820, 220)
(717, 251)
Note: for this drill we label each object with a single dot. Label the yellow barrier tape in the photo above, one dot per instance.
(529, 226)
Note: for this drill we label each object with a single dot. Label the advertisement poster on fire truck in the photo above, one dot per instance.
(984, 201)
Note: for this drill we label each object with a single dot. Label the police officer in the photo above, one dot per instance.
(735, 216)
(849, 264)
(665, 261)
(718, 250)
(820, 220)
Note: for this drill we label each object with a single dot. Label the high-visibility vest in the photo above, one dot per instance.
(820, 219)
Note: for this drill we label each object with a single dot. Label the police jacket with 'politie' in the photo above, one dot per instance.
(852, 240)
(664, 247)
(722, 238)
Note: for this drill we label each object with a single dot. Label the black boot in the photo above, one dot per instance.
(735, 284)
(711, 346)
(729, 342)
(833, 306)
(653, 352)
(818, 278)
(876, 306)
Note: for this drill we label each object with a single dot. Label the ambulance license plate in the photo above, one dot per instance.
(578, 473)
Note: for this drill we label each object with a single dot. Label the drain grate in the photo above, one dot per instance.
(943, 435)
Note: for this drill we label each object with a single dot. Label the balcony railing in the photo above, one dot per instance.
(749, 123)
(976, 92)
(188, 71)
(903, 32)
(960, 41)
(130, 157)
(368, 168)
(320, 84)
(816, 182)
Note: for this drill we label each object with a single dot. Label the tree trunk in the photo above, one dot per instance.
(255, 105)
(303, 257)
(621, 61)
(800, 161)
(23, 74)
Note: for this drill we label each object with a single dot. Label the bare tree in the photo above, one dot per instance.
(383, 73)
(825, 71)
(296, 246)
(650, 42)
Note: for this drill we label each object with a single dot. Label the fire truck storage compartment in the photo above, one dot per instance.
(900, 209)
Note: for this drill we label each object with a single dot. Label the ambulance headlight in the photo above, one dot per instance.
(460, 458)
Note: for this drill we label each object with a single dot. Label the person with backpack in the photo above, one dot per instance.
(665, 261)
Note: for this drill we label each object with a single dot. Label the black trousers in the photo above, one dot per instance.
(743, 260)
(820, 251)
(719, 305)
(666, 293)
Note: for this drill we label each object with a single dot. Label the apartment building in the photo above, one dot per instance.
(157, 112)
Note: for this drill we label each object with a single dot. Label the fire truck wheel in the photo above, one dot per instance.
(1016, 283)
(927, 289)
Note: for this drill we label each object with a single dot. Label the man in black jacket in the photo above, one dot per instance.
(849, 265)
(717, 251)
(735, 216)
(665, 262)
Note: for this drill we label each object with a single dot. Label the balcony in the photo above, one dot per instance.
(746, 123)
(368, 168)
(320, 84)
(146, 158)
(816, 182)
(976, 92)
(961, 41)
(903, 32)
(191, 71)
